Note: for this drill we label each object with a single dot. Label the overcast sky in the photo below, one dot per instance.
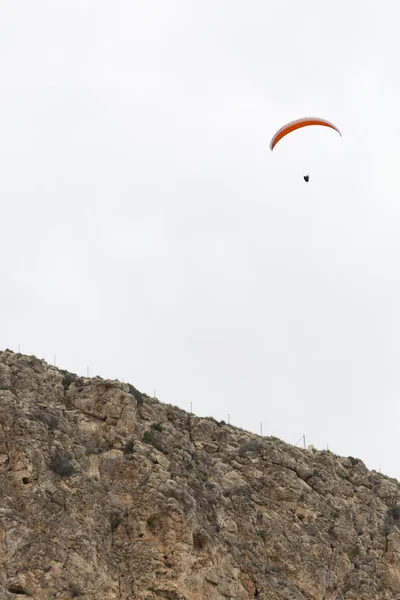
(148, 231)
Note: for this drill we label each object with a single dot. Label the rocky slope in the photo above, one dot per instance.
(108, 494)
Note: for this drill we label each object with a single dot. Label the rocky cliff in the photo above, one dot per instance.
(106, 493)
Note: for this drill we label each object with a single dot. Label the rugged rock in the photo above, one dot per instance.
(106, 493)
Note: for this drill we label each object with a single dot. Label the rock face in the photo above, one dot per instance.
(108, 494)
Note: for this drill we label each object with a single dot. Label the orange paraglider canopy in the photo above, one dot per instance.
(293, 125)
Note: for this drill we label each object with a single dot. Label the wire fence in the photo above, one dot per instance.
(302, 440)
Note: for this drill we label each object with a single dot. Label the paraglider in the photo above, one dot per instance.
(293, 125)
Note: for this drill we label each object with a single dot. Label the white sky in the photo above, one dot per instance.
(147, 230)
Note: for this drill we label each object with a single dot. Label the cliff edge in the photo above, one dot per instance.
(106, 493)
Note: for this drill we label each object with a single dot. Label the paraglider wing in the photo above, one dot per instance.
(293, 125)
